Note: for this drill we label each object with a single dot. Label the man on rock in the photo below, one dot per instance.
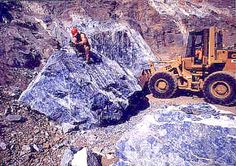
(80, 42)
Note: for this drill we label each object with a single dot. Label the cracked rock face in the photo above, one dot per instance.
(118, 42)
(181, 135)
(69, 91)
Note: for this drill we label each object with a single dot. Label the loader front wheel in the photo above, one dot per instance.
(163, 85)
(220, 88)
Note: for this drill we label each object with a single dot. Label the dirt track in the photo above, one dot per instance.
(187, 100)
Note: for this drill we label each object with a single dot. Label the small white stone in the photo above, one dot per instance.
(80, 158)
(3, 146)
(67, 127)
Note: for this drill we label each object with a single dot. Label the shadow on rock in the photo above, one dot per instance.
(137, 102)
(5, 11)
(95, 58)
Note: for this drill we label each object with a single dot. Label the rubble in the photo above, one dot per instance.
(109, 159)
(67, 127)
(37, 148)
(8, 111)
(25, 149)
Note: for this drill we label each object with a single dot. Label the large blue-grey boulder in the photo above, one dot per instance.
(70, 91)
(181, 136)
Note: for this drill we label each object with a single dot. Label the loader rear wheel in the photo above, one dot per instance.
(163, 85)
(220, 88)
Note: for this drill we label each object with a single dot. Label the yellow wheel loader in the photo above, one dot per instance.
(207, 67)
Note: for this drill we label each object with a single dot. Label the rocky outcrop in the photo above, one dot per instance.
(180, 135)
(69, 91)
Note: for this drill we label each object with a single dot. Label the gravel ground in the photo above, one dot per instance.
(32, 140)
(35, 140)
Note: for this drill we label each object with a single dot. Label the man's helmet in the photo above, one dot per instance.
(74, 31)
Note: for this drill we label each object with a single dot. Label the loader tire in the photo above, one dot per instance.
(220, 88)
(163, 85)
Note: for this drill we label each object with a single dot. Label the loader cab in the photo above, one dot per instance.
(197, 46)
(202, 46)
